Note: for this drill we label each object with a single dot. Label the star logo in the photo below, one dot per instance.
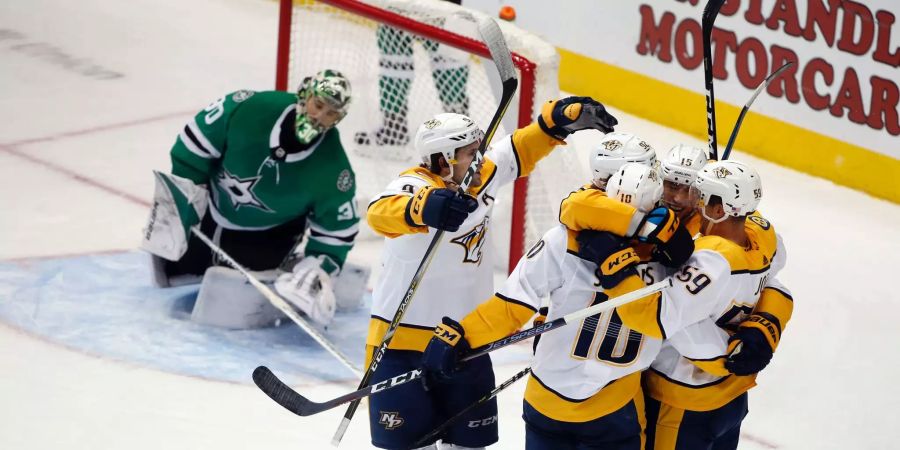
(240, 191)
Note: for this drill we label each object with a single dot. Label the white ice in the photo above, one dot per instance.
(92, 95)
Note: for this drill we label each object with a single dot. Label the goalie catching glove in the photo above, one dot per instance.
(308, 287)
(560, 118)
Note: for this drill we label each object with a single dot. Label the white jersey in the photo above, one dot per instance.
(738, 294)
(461, 273)
(577, 361)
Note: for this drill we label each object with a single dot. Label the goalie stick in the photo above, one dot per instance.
(278, 302)
(710, 12)
(740, 119)
(481, 401)
(493, 38)
(302, 406)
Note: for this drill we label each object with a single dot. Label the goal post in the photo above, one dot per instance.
(409, 59)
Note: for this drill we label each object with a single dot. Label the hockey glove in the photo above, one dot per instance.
(308, 288)
(439, 208)
(659, 226)
(441, 357)
(538, 321)
(615, 259)
(756, 338)
(676, 251)
(560, 118)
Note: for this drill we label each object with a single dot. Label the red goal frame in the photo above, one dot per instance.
(525, 67)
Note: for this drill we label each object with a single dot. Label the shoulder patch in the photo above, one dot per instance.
(344, 181)
(242, 95)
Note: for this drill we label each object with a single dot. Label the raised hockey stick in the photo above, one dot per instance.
(302, 406)
(278, 302)
(481, 401)
(710, 12)
(740, 119)
(493, 38)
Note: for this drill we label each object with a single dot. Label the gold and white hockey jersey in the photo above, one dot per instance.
(579, 372)
(461, 274)
(722, 282)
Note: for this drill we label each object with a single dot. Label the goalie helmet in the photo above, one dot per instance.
(637, 185)
(682, 163)
(616, 149)
(333, 88)
(737, 184)
(443, 134)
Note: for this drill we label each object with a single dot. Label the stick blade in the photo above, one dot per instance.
(496, 44)
(281, 393)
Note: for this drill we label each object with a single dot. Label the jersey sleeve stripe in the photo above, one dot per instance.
(187, 138)
(201, 140)
(334, 242)
(783, 293)
(348, 239)
(346, 232)
(514, 301)
(515, 152)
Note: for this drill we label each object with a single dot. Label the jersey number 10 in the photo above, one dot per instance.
(610, 350)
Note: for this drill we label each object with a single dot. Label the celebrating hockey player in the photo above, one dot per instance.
(679, 170)
(584, 391)
(256, 170)
(419, 202)
(729, 279)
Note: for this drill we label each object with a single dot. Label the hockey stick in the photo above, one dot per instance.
(478, 403)
(302, 406)
(709, 17)
(278, 302)
(740, 119)
(493, 38)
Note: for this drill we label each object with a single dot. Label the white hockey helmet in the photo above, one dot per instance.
(637, 185)
(736, 183)
(616, 149)
(682, 163)
(443, 134)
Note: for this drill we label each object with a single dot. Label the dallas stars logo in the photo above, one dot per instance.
(473, 241)
(240, 191)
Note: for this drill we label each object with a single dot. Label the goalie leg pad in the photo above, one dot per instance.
(226, 299)
(350, 286)
(309, 288)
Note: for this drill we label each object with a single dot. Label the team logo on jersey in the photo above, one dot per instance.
(390, 420)
(722, 172)
(240, 191)
(242, 95)
(344, 181)
(473, 241)
(763, 223)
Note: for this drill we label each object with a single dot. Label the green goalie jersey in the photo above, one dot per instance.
(244, 148)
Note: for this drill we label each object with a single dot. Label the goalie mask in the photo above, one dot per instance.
(616, 149)
(442, 135)
(637, 185)
(737, 184)
(330, 86)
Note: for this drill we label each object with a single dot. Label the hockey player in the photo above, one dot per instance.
(679, 170)
(395, 61)
(584, 391)
(419, 202)
(699, 403)
(256, 170)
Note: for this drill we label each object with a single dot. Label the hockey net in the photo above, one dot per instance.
(402, 71)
